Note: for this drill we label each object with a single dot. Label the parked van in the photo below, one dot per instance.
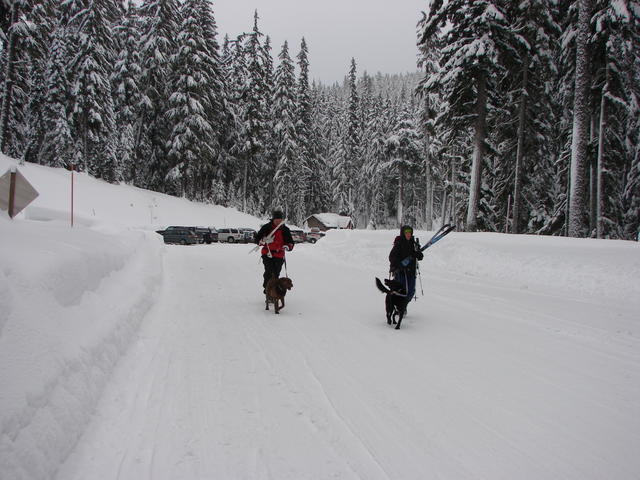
(181, 235)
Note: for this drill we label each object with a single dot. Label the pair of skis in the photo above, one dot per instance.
(439, 235)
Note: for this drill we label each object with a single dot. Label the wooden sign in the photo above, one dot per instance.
(15, 192)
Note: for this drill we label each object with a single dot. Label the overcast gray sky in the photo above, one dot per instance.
(379, 34)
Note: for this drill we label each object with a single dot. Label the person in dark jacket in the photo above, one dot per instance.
(274, 244)
(403, 260)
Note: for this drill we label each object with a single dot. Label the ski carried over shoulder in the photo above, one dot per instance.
(444, 230)
(269, 238)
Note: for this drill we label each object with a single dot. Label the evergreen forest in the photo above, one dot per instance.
(521, 117)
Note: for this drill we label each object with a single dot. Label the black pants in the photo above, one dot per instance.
(272, 267)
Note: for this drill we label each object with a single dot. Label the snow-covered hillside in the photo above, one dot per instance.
(121, 357)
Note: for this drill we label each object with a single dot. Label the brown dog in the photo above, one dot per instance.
(275, 291)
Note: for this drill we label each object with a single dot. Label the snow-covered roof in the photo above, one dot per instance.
(333, 220)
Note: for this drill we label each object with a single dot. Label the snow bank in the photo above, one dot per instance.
(57, 345)
(71, 301)
(554, 265)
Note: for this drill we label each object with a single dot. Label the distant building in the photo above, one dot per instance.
(328, 221)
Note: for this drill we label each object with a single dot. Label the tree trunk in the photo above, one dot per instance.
(443, 212)
(577, 204)
(400, 194)
(593, 181)
(517, 189)
(245, 176)
(454, 201)
(428, 211)
(8, 78)
(600, 167)
(476, 167)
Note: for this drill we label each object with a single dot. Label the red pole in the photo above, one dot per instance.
(72, 195)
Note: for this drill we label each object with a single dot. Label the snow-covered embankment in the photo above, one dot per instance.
(56, 283)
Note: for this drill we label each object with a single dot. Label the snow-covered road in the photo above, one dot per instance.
(487, 379)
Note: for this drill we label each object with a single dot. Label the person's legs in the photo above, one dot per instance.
(277, 266)
(268, 270)
(411, 287)
(408, 281)
(272, 268)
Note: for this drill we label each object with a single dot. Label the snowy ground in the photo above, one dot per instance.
(122, 358)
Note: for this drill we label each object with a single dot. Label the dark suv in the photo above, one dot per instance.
(181, 235)
(206, 234)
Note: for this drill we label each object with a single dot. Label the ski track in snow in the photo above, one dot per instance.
(215, 387)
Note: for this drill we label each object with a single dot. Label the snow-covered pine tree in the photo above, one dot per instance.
(191, 145)
(530, 61)
(159, 29)
(268, 165)
(219, 114)
(306, 150)
(125, 82)
(366, 180)
(234, 71)
(403, 149)
(90, 68)
(614, 43)
(287, 188)
(430, 102)
(347, 161)
(254, 122)
(56, 149)
(324, 132)
(470, 62)
(9, 59)
(35, 53)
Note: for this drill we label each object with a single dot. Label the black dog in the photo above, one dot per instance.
(395, 302)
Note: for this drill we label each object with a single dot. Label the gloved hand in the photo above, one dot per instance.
(286, 248)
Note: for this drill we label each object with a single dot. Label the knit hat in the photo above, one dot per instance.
(406, 228)
(277, 214)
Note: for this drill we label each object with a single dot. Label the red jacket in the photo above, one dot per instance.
(281, 237)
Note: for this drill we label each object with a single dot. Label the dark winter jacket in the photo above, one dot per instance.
(404, 254)
(281, 238)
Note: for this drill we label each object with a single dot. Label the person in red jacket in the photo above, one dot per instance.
(275, 240)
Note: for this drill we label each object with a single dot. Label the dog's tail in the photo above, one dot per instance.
(381, 287)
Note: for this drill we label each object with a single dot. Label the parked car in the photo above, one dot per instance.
(181, 235)
(298, 236)
(249, 234)
(314, 234)
(230, 235)
(206, 234)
